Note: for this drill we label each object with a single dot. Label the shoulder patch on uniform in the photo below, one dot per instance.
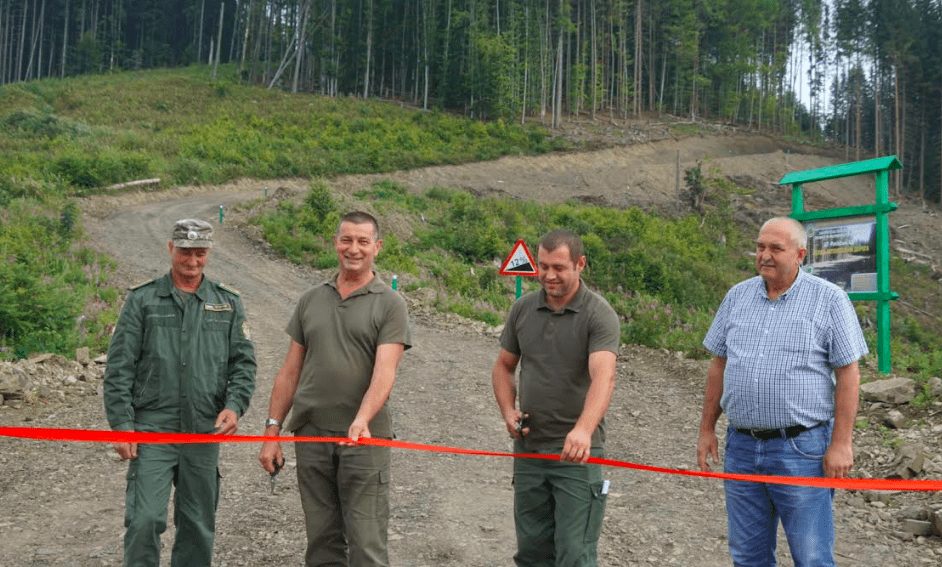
(231, 290)
(142, 284)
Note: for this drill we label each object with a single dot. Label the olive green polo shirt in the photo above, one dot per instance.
(340, 338)
(554, 348)
(176, 360)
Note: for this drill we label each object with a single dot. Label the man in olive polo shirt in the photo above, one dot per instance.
(180, 361)
(565, 338)
(347, 338)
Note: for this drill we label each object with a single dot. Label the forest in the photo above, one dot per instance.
(863, 74)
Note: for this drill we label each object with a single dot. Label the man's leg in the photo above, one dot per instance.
(534, 513)
(194, 501)
(317, 483)
(807, 513)
(145, 514)
(363, 481)
(580, 506)
(751, 516)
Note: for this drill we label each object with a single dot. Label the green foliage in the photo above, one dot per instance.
(643, 263)
(90, 169)
(44, 282)
(75, 136)
(494, 85)
(79, 134)
(304, 233)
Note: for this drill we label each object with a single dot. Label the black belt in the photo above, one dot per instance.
(766, 434)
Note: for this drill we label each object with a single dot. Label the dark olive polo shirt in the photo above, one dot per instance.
(554, 348)
(340, 338)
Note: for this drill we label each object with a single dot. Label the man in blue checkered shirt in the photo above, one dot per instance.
(785, 346)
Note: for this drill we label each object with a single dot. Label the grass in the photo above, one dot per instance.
(62, 138)
(80, 134)
(452, 243)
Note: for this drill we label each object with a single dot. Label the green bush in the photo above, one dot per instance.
(45, 280)
(643, 263)
(88, 169)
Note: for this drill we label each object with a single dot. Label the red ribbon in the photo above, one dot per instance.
(101, 436)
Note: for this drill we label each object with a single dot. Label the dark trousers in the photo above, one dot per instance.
(193, 471)
(345, 497)
(558, 510)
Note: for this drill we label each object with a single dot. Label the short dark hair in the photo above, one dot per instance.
(360, 217)
(562, 237)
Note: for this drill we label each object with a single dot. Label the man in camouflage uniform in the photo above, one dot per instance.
(180, 360)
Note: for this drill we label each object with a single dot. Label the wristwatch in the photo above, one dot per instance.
(272, 421)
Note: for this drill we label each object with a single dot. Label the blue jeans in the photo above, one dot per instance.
(754, 509)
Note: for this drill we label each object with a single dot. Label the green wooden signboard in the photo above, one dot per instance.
(858, 217)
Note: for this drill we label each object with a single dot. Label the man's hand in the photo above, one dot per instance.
(838, 460)
(577, 447)
(269, 455)
(707, 450)
(227, 422)
(512, 421)
(357, 429)
(127, 451)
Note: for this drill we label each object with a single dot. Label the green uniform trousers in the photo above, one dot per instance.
(558, 509)
(192, 470)
(345, 497)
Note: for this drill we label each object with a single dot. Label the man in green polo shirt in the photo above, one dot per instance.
(565, 338)
(347, 338)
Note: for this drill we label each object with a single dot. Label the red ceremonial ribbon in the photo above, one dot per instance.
(102, 436)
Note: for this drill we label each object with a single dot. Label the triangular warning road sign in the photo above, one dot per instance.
(519, 262)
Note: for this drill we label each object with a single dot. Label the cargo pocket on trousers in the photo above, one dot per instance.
(597, 499)
(382, 495)
(218, 484)
(130, 497)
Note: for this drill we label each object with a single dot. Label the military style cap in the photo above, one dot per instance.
(192, 233)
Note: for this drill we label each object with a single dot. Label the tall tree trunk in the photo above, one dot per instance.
(19, 56)
(595, 58)
(34, 41)
(4, 28)
(693, 78)
(526, 58)
(334, 52)
(443, 77)
(222, 13)
(922, 155)
(651, 61)
(858, 111)
(369, 47)
(898, 142)
(636, 81)
(245, 38)
(199, 41)
(877, 136)
(558, 88)
(299, 44)
(426, 33)
(544, 60)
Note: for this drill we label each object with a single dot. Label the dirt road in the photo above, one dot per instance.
(63, 503)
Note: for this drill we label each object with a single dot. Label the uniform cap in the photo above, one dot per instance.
(192, 233)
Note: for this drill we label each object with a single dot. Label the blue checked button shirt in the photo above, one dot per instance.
(780, 354)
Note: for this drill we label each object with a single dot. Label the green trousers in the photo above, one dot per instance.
(192, 470)
(558, 509)
(345, 497)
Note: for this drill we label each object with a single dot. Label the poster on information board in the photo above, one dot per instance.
(844, 252)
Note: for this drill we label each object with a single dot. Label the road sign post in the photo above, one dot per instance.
(519, 263)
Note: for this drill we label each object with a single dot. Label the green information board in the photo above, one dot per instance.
(851, 245)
